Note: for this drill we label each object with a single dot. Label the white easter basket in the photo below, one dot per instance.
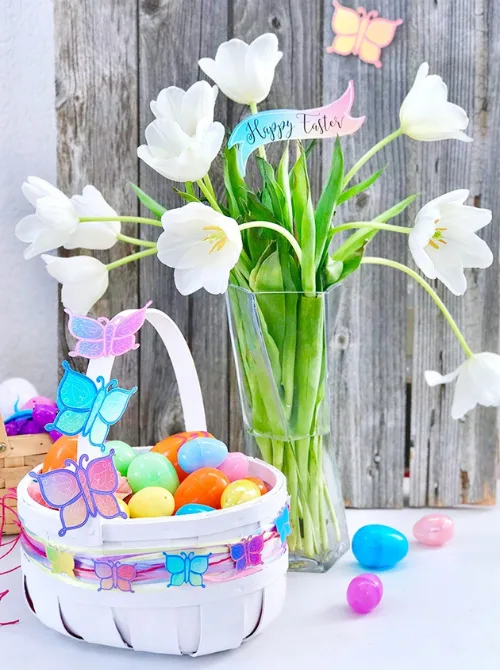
(180, 620)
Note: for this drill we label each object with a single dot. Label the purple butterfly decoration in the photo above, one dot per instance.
(248, 552)
(115, 575)
(105, 337)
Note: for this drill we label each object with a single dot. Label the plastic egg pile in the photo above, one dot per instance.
(186, 473)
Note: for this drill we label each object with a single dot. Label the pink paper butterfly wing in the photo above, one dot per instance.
(255, 547)
(125, 575)
(73, 515)
(104, 571)
(103, 481)
(89, 334)
(125, 330)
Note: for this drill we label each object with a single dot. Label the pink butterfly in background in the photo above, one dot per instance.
(115, 575)
(86, 492)
(104, 337)
(248, 552)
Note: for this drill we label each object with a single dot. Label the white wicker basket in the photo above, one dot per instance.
(180, 620)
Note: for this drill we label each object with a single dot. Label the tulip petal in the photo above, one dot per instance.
(46, 240)
(35, 188)
(188, 281)
(462, 220)
(92, 235)
(28, 228)
(198, 103)
(168, 104)
(433, 378)
(476, 253)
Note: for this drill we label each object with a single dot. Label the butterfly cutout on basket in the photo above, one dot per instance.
(282, 523)
(361, 33)
(88, 408)
(105, 337)
(115, 575)
(186, 568)
(62, 562)
(86, 492)
(247, 553)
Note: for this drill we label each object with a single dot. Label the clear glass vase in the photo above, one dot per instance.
(280, 344)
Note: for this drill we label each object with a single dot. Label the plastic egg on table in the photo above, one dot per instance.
(203, 452)
(152, 470)
(124, 507)
(434, 529)
(239, 492)
(123, 456)
(170, 446)
(262, 486)
(204, 487)
(193, 508)
(152, 501)
(379, 547)
(364, 593)
(235, 466)
(63, 448)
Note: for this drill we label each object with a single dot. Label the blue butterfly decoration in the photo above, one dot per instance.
(186, 568)
(88, 408)
(282, 523)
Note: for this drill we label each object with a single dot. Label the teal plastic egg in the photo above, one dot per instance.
(152, 469)
(202, 452)
(123, 456)
(379, 547)
(193, 508)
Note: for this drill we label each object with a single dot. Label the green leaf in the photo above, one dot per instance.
(309, 148)
(333, 272)
(272, 196)
(188, 197)
(328, 201)
(269, 288)
(303, 215)
(265, 254)
(153, 206)
(396, 209)
(358, 188)
(283, 180)
(257, 211)
(236, 189)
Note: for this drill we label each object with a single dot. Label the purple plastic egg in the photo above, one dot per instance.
(364, 593)
(55, 435)
(44, 414)
(29, 428)
(11, 428)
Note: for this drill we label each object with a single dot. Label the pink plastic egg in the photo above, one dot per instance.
(434, 529)
(235, 466)
(34, 494)
(364, 593)
(39, 400)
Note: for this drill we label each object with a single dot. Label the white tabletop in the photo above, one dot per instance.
(440, 610)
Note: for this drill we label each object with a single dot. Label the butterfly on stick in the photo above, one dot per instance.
(247, 553)
(88, 407)
(361, 33)
(186, 568)
(115, 575)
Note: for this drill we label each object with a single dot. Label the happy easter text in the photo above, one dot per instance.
(283, 130)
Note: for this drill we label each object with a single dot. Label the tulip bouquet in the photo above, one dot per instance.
(279, 254)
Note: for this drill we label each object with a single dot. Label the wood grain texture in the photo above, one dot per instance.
(96, 99)
(369, 357)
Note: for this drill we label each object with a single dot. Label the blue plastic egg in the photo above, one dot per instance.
(202, 452)
(193, 508)
(379, 547)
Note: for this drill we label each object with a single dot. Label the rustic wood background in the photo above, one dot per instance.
(113, 57)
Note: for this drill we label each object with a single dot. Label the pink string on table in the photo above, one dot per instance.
(11, 545)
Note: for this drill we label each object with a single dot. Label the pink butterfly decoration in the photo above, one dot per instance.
(247, 552)
(105, 337)
(86, 492)
(115, 575)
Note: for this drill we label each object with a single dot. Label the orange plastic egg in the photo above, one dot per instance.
(262, 487)
(170, 446)
(204, 487)
(63, 448)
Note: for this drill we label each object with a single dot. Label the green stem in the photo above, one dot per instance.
(189, 188)
(210, 187)
(254, 110)
(131, 258)
(125, 219)
(414, 275)
(364, 159)
(134, 240)
(371, 224)
(278, 229)
(206, 192)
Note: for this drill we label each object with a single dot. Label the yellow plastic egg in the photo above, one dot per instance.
(151, 501)
(239, 492)
(124, 507)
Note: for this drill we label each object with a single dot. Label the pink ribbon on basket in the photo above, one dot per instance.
(4, 507)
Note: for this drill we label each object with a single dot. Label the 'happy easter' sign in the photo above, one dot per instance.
(293, 124)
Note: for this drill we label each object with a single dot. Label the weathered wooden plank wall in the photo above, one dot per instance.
(114, 57)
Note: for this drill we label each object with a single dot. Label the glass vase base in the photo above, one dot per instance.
(298, 562)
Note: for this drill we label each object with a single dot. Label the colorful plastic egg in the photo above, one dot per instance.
(35, 494)
(262, 486)
(43, 414)
(193, 508)
(203, 452)
(123, 489)
(204, 487)
(30, 427)
(364, 593)
(379, 547)
(65, 447)
(170, 446)
(152, 501)
(55, 435)
(239, 492)
(124, 507)
(123, 456)
(434, 529)
(152, 470)
(39, 400)
(235, 466)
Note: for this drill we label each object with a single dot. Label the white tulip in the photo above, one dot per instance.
(443, 241)
(426, 114)
(202, 245)
(84, 280)
(56, 221)
(244, 72)
(184, 139)
(478, 383)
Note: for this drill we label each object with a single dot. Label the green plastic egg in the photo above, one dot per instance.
(152, 469)
(123, 456)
